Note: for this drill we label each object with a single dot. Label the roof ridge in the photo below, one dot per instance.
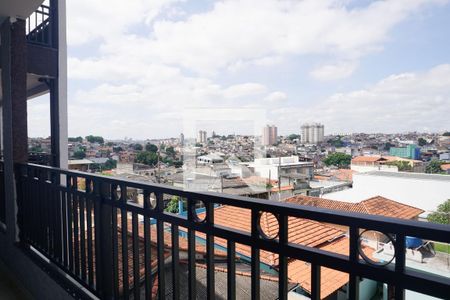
(397, 202)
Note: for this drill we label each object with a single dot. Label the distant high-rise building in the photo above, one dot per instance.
(410, 151)
(270, 135)
(182, 139)
(201, 137)
(312, 133)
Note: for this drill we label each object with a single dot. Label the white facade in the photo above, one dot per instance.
(270, 135)
(312, 133)
(272, 168)
(201, 137)
(425, 191)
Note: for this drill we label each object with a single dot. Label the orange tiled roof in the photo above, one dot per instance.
(330, 279)
(300, 231)
(445, 167)
(368, 159)
(374, 206)
(389, 208)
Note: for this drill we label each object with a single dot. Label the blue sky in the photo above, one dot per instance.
(140, 68)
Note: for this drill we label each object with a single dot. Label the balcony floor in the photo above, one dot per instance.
(9, 288)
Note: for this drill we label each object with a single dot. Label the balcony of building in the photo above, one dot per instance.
(67, 234)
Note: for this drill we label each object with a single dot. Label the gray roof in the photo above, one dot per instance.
(406, 175)
(268, 289)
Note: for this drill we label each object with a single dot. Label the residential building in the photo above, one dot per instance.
(425, 191)
(74, 235)
(312, 133)
(410, 151)
(270, 135)
(181, 139)
(201, 137)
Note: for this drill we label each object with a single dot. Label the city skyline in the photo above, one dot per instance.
(140, 80)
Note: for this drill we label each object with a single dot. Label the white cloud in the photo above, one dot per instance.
(334, 71)
(237, 32)
(243, 90)
(398, 103)
(276, 97)
(94, 19)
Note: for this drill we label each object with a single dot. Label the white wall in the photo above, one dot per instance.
(369, 168)
(426, 194)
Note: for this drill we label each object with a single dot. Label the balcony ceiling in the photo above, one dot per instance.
(18, 8)
(35, 88)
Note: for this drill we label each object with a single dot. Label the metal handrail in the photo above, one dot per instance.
(100, 193)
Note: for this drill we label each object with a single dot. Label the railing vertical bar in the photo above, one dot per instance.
(160, 247)
(231, 270)
(89, 232)
(210, 284)
(315, 282)
(115, 251)
(64, 228)
(97, 234)
(124, 236)
(283, 271)
(147, 249)
(58, 218)
(192, 277)
(400, 249)
(76, 226)
(82, 237)
(354, 258)
(175, 262)
(255, 263)
(70, 238)
(136, 270)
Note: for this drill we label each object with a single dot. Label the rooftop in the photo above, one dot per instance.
(407, 175)
(375, 206)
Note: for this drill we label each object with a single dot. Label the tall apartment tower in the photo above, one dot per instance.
(181, 139)
(312, 133)
(201, 137)
(270, 135)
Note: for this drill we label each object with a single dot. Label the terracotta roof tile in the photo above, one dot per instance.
(330, 279)
(300, 231)
(375, 206)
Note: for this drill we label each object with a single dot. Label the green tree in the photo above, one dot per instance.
(138, 147)
(172, 206)
(388, 146)
(79, 154)
(338, 159)
(422, 142)
(78, 139)
(117, 149)
(170, 151)
(95, 139)
(151, 147)
(401, 165)
(147, 158)
(434, 167)
(442, 215)
(293, 136)
(447, 133)
(36, 149)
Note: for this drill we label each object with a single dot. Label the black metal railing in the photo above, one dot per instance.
(86, 226)
(39, 26)
(2, 194)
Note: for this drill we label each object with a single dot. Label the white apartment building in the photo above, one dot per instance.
(201, 137)
(425, 191)
(270, 135)
(288, 166)
(312, 133)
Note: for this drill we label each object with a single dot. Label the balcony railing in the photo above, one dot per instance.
(2, 194)
(114, 246)
(39, 26)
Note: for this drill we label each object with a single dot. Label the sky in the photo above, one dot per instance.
(150, 69)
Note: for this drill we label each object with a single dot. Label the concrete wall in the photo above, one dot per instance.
(426, 194)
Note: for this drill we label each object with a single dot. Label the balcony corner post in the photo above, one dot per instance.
(104, 220)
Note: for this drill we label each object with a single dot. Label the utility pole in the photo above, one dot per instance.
(159, 165)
